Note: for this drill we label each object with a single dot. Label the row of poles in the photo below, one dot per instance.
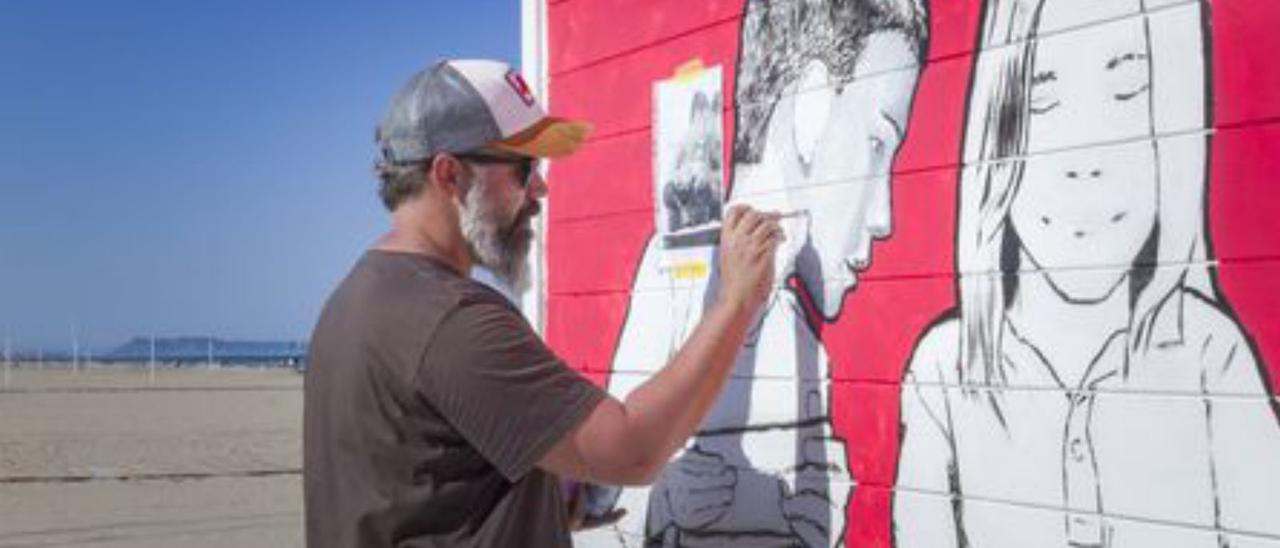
(75, 357)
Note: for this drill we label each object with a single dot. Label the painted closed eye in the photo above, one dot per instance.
(886, 137)
(1042, 97)
(1129, 75)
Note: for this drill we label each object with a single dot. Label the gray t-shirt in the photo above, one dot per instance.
(428, 402)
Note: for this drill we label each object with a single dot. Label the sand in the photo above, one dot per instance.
(110, 457)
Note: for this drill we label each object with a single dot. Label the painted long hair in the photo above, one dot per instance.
(995, 141)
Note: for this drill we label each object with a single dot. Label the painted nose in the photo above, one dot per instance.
(880, 210)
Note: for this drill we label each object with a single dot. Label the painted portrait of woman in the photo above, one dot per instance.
(1092, 387)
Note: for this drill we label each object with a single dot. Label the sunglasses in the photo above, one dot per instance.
(526, 167)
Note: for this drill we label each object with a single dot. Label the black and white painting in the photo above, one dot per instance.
(688, 134)
(822, 95)
(1093, 386)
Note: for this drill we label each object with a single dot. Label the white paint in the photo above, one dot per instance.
(1096, 399)
(765, 463)
(534, 65)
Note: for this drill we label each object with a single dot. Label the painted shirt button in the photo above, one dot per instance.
(1076, 449)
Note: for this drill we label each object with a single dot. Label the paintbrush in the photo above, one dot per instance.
(715, 237)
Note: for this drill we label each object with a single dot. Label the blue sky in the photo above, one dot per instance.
(194, 168)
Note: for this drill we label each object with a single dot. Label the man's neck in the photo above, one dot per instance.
(414, 232)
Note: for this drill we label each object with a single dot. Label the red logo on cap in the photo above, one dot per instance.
(521, 88)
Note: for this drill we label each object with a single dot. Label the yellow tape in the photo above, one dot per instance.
(692, 270)
(688, 71)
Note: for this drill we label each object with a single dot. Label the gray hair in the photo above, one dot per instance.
(400, 182)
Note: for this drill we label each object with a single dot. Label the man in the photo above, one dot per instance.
(434, 415)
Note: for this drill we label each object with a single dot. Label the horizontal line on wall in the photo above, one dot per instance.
(969, 51)
(1249, 124)
(636, 49)
(959, 166)
(1162, 394)
(891, 489)
(881, 383)
(1105, 515)
(684, 287)
(571, 219)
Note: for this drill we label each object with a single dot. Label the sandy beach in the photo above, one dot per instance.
(114, 457)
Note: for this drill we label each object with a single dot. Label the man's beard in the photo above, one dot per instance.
(501, 249)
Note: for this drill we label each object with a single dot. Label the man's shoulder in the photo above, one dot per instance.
(397, 284)
(480, 318)
(418, 279)
(396, 300)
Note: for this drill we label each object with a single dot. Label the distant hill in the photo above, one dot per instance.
(192, 349)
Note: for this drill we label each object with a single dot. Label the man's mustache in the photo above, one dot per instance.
(532, 210)
(522, 219)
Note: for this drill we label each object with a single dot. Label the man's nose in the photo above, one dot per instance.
(537, 186)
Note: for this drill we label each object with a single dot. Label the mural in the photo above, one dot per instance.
(1068, 334)
(810, 113)
(1035, 215)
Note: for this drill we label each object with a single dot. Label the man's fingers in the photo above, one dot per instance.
(748, 222)
(766, 232)
(768, 244)
(767, 222)
(734, 215)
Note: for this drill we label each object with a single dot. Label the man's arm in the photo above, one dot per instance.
(628, 442)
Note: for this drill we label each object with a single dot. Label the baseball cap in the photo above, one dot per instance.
(463, 105)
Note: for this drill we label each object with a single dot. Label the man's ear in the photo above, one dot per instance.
(445, 172)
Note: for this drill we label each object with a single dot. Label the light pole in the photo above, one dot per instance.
(151, 363)
(210, 363)
(8, 357)
(75, 349)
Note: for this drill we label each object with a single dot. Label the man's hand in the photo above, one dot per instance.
(748, 241)
(628, 443)
(579, 502)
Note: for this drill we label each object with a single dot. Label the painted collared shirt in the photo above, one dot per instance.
(1172, 444)
(770, 427)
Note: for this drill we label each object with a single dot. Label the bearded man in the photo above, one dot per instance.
(433, 414)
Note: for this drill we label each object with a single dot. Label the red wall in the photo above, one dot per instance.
(604, 57)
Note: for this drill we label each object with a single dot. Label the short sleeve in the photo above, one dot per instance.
(494, 380)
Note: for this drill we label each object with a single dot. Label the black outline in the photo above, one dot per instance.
(1141, 272)
(806, 310)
